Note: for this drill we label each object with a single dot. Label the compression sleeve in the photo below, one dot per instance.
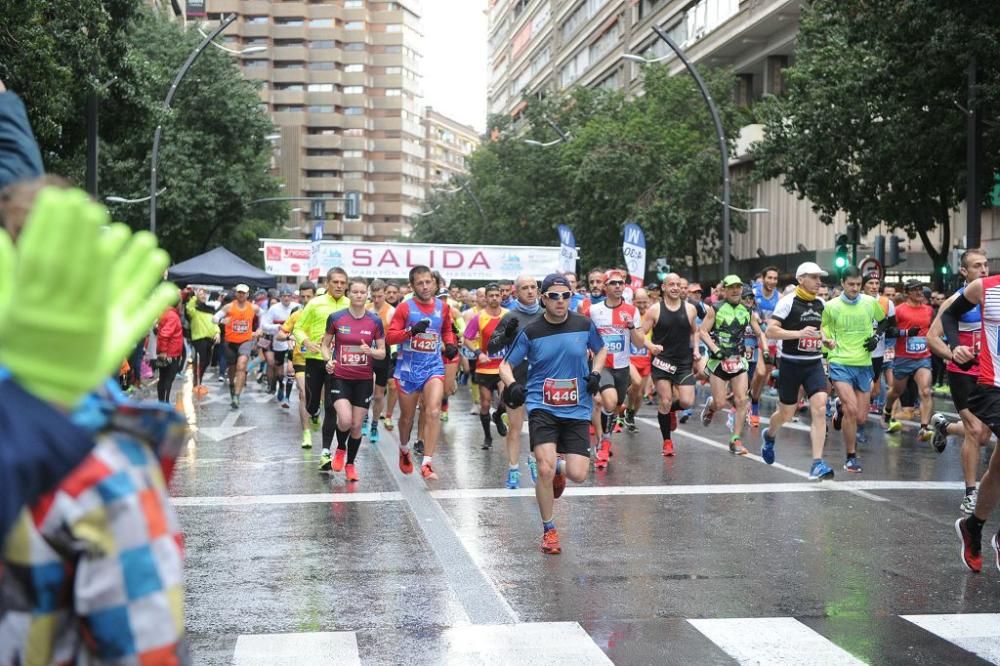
(950, 317)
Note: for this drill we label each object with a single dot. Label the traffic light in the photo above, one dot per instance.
(352, 205)
(880, 249)
(896, 254)
(840, 256)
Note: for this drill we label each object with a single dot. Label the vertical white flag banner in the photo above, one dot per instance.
(567, 250)
(314, 252)
(634, 250)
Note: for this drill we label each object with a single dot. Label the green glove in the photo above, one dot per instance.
(63, 292)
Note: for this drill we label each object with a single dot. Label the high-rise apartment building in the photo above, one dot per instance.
(447, 144)
(340, 78)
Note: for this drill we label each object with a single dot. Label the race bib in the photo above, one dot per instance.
(637, 351)
(732, 365)
(352, 356)
(916, 345)
(425, 343)
(560, 392)
(615, 343)
(241, 326)
(660, 364)
(890, 353)
(812, 345)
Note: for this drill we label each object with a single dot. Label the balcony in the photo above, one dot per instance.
(324, 76)
(244, 7)
(392, 103)
(355, 122)
(285, 9)
(324, 119)
(288, 97)
(355, 143)
(327, 98)
(388, 124)
(321, 184)
(288, 32)
(326, 163)
(388, 81)
(355, 79)
(386, 38)
(288, 75)
(322, 141)
(289, 53)
(289, 118)
(251, 30)
(355, 164)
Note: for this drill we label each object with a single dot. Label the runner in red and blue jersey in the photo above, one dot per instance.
(354, 339)
(421, 326)
(766, 297)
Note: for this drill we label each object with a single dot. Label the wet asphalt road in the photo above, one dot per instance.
(417, 572)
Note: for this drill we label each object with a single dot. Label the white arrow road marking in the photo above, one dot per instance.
(226, 430)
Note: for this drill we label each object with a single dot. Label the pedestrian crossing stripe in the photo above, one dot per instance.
(978, 633)
(335, 648)
(773, 640)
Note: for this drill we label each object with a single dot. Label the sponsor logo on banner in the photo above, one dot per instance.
(394, 260)
(314, 251)
(567, 250)
(634, 250)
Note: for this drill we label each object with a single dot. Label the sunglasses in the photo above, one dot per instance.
(558, 295)
(615, 283)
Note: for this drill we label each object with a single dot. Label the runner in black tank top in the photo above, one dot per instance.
(673, 331)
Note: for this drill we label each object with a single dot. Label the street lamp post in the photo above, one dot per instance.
(166, 107)
(723, 148)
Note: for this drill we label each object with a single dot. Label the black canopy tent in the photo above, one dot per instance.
(221, 267)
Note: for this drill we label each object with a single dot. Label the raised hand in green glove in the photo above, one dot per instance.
(64, 293)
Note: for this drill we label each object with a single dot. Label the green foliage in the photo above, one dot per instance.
(871, 124)
(653, 159)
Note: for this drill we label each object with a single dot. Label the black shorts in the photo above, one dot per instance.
(487, 380)
(357, 391)
(381, 369)
(299, 369)
(569, 435)
(726, 376)
(280, 356)
(617, 378)
(808, 375)
(984, 403)
(234, 350)
(678, 374)
(961, 388)
(877, 366)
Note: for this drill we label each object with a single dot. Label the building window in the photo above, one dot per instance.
(353, 154)
(393, 92)
(254, 64)
(322, 65)
(319, 108)
(321, 131)
(353, 111)
(321, 173)
(394, 27)
(288, 86)
(255, 20)
(287, 108)
(393, 70)
(321, 23)
(354, 131)
(354, 25)
(322, 44)
(321, 152)
(606, 42)
(320, 87)
(353, 69)
(354, 46)
(288, 20)
(353, 175)
(284, 42)
(354, 4)
(354, 90)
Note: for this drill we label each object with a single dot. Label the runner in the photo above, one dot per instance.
(673, 344)
(766, 295)
(238, 317)
(639, 365)
(308, 332)
(913, 358)
(277, 350)
(796, 323)
(595, 283)
(962, 381)
(616, 322)
(477, 335)
(984, 403)
(847, 323)
(556, 395)
(204, 336)
(881, 358)
(420, 326)
(306, 292)
(383, 366)
(723, 331)
(354, 338)
(525, 310)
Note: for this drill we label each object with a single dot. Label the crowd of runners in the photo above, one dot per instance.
(579, 362)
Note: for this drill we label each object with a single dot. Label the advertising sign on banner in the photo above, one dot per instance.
(315, 247)
(567, 250)
(394, 260)
(634, 249)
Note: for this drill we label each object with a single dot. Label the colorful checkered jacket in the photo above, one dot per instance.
(92, 573)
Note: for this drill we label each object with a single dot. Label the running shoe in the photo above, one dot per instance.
(405, 462)
(972, 546)
(736, 446)
(707, 413)
(418, 447)
(314, 423)
(307, 440)
(668, 448)
(325, 461)
(874, 409)
(968, 504)
(427, 472)
(838, 414)
(861, 437)
(886, 416)
(995, 541)
(685, 415)
(235, 402)
(373, 432)
(603, 453)
(444, 416)
(894, 426)
(284, 404)
(513, 479)
(852, 465)
(364, 427)
(730, 420)
(558, 482)
(474, 410)
(820, 471)
(829, 408)
(487, 444)
(351, 473)
(550, 542)
(500, 424)
(629, 421)
(387, 422)
(753, 420)
(766, 447)
(533, 469)
(339, 458)
(939, 424)
(619, 425)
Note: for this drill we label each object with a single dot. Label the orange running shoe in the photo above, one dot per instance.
(668, 447)
(603, 453)
(352, 474)
(405, 462)
(427, 472)
(754, 420)
(550, 542)
(338, 459)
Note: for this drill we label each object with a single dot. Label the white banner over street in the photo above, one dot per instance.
(394, 260)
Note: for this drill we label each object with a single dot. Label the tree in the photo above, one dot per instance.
(653, 159)
(872, 123)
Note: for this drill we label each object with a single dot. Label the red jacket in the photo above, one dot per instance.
(170, 335)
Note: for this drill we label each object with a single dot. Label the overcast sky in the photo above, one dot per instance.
(454, 61)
